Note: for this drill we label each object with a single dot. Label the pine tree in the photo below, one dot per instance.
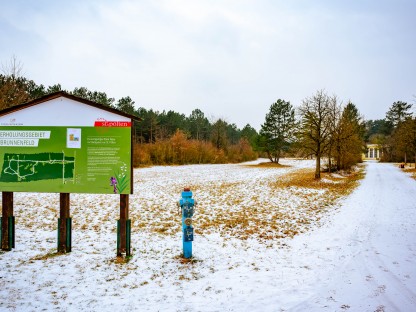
(278, 129)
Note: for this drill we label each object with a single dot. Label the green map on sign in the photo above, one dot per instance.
(41, 166)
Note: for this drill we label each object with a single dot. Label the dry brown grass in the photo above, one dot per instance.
(411, 170)
(302, 201)
(268, 165)
(47, 256)
(337, 184)
(268, 207)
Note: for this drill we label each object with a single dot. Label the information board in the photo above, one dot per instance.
(64, 146)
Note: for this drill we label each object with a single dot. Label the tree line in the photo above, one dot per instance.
(166, 137)
(321, 127)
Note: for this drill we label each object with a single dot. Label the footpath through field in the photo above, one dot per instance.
(366, 257)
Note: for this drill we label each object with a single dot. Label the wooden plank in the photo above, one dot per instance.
(124, 215)
(64, 209)
(7, 211)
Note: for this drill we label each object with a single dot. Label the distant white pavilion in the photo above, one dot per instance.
(373, 152)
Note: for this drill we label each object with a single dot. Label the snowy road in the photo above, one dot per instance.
(369, 250)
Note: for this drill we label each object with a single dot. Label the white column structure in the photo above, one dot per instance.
(373, 152)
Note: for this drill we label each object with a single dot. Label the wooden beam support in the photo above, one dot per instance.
(64, 229)
(7, 236)
(124, 216)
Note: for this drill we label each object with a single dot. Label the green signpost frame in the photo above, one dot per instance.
(65, 144)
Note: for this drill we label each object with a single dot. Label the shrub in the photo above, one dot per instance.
(179, 150)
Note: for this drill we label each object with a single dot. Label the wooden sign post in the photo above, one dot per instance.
(64, 144)
(7, 222)
(124, 227)
(64, 224)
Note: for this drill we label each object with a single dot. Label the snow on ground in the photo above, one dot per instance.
(358, 255)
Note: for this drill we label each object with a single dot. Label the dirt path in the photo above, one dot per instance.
(373, 267)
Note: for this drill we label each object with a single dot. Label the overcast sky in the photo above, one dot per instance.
(231, 59)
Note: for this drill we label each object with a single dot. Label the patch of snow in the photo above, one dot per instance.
(359, 257)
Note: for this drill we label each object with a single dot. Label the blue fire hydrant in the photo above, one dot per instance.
(187, 204)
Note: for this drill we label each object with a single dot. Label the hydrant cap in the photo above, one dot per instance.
(186, 194)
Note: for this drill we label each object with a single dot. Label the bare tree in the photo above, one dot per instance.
(316, 126)
(334, 121)
(13, 68)
(13, 86)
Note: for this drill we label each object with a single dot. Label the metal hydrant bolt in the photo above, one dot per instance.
(187, 204)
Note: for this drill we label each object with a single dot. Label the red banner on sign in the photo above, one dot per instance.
(106, 123)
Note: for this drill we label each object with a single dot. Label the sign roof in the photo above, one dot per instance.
(64, 101)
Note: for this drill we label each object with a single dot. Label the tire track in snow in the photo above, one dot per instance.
(390, 192)
(365, 254)
(373, 234)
